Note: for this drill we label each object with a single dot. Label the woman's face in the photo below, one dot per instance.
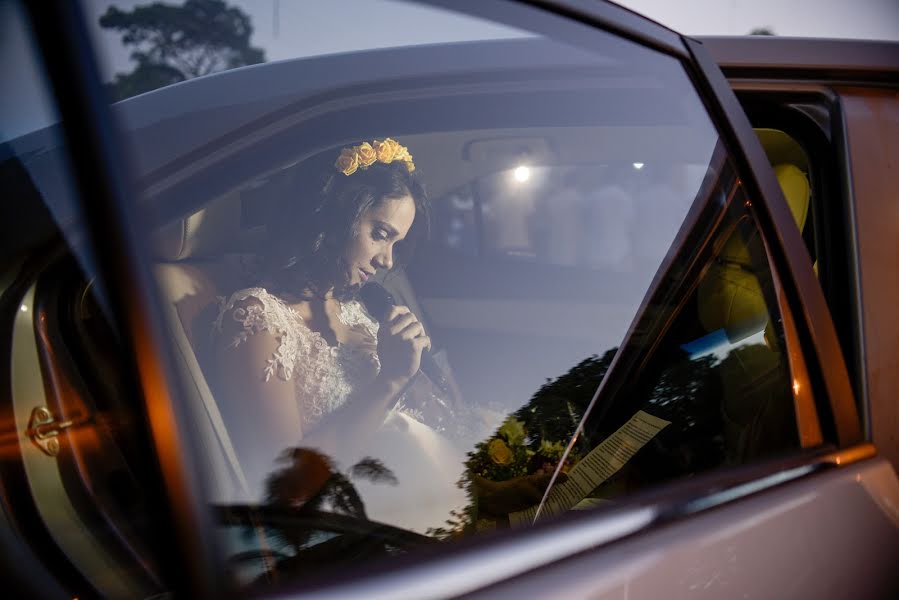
(372, 247)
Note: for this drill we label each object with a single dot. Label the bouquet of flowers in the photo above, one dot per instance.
(510, 453)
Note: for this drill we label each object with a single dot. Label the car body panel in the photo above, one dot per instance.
(727, 553)
(804, 59)
(872, 131)
(720, 552)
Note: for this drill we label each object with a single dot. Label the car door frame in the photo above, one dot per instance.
(102, 174)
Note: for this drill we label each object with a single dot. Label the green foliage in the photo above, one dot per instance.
(530, 439)
(173, 43)
(540, 430)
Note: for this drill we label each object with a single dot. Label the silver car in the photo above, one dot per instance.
(659, 284)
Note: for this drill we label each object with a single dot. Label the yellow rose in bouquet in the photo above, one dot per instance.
(499, 452)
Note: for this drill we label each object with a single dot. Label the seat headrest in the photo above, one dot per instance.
(207, 233)
(781, 148)
(795, 187)
(730, 296)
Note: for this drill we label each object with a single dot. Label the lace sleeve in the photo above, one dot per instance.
(254, 311)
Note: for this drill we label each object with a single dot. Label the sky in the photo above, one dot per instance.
(292, 28)
(865, 19)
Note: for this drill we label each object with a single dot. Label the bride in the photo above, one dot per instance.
(300, 362)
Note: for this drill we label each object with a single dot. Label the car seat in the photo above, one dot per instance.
(756, 407)
(194, 268)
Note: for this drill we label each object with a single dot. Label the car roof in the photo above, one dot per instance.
(804, 58)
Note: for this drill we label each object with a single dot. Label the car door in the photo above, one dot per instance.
(645, 317)
(828, 148)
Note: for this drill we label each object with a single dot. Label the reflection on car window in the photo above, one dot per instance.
(717, 373)
(519, 209)
(151, 45)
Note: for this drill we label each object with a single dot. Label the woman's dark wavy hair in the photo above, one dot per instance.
(309, 234)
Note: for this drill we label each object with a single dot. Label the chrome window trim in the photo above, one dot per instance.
(468, 567)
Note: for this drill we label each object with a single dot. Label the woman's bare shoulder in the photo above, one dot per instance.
(263, 323)
(249, 311)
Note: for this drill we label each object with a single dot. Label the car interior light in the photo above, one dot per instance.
(638, 166)
(522, 174)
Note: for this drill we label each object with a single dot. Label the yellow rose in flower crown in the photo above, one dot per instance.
(387, 150)
(402, 153)
(347, 162)
(499, 452)
(366, 154)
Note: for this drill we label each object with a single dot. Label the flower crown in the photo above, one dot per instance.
(364, 155)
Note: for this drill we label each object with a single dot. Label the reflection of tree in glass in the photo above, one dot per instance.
(313, 516)
(310, 482)
(721, 411)
(688, 394)
(173, 43)
(530, 442)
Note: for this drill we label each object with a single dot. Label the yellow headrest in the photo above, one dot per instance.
(781, 148)
(795, 187)
(730, 296)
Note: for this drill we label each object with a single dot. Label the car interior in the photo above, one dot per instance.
(490, 279)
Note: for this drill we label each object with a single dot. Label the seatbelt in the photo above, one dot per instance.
(194, 372)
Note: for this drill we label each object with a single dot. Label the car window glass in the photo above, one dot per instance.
(583, 219)
(70, 450)
(717, 376)
(146, 46)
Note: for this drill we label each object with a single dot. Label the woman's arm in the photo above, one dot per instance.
(263, 417)
(259, 399)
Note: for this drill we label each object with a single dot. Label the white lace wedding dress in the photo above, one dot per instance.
(426, 464)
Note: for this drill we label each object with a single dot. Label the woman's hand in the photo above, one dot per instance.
(401, 340)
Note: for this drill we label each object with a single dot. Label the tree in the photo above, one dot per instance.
(173, 43)
(532, 436)
(762, 31)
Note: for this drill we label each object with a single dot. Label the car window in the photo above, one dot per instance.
(146, 46)
(805, 163)
(74, 471)
(588, 273)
